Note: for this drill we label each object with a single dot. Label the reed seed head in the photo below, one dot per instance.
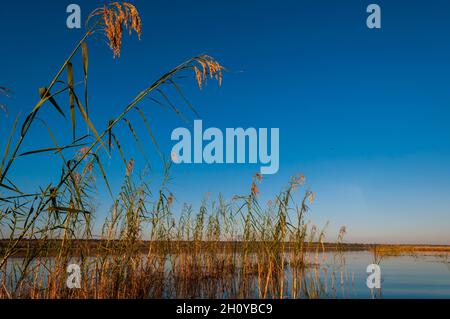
(77, 177)
(255, 189)
(174, 157)
(130, 167)
(301, 179)
(82, 152)
(311, 197)
(114, 17)
(207, 66)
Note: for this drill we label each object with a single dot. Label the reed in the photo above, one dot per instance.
(228, 249)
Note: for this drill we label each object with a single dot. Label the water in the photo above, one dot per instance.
(425, 275)
(420, 276)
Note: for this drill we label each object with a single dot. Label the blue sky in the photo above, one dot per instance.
(364, 114)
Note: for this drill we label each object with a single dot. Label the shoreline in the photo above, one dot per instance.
(94, 246)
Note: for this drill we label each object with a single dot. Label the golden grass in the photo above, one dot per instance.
(114, 18)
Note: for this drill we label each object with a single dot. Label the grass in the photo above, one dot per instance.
(234, 248)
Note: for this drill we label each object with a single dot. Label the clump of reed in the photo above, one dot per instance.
(224, 249)
(236, 248)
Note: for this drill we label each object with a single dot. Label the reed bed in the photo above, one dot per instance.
(271, 250)
(222, 250)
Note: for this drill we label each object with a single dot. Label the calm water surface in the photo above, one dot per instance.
(425, 275)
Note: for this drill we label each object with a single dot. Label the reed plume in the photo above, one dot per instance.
(207, 66)
(114, 17)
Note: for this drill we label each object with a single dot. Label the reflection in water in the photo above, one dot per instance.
(327, 275)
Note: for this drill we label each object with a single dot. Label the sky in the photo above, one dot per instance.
(363, 113)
